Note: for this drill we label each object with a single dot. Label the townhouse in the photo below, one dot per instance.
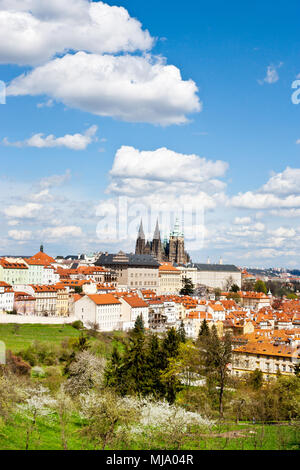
(6, 298)
(170, 279)
(132, 307)
(101, 309)
(270, 358)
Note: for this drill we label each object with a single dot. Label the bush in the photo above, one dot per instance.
(40, 353)
(16, 365)
(78, 325)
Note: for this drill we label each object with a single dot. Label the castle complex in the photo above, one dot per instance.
(171, 249)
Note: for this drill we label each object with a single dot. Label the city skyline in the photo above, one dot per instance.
(186, 109)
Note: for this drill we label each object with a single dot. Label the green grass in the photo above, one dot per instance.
(253, 437)
(25, 335)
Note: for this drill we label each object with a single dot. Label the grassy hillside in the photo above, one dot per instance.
(19, 337)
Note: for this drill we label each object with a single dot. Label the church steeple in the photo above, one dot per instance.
(156, 235)
(140, 242)
(141, 234)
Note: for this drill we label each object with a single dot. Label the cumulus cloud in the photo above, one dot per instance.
(72, 231)
(20, 235)
(280, 192)
(71, 141)
(165, 165)
(130, 88)
(286, 182)
(251, 200)
(26, 211)
(33, 31)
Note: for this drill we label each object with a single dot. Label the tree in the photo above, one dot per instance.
(188, 287)
(216, 355)
(260, 286)
(107, 418)
(78, 290)
(297, 370)
(139, 327)
(185, 366)
(217, 293)
(182, 333)
(234, 296)
(204, 329)
(228, 283)
(255, 379)
(234, 288)
(86, 372)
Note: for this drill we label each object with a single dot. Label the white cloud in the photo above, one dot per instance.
(250, 200)
(165, 165)
(33, 31)
(46, 104)
(26, 211)
(284, 232)
(54, 180)
(71, 141)
(42, 196)
(62, 232)
(287, 182)
(13, 223)
(272, 75)
(242, 220)
(268, 253)
(20, 235)
(130, 88)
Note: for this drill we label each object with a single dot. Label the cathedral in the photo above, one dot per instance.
(171, 249)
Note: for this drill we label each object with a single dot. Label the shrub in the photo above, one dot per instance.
(78, 325)
(16, 365)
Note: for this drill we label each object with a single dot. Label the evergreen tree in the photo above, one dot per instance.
(181, 333)
(204, 329)
(154, 366)
(188, 287)
(171, 343)
(139, 327)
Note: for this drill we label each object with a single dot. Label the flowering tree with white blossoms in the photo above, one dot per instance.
(39, 403)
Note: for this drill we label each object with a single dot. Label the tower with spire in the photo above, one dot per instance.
(171, 249)
(156, 246)
(140, 241)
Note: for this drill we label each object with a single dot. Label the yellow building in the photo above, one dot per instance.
(169, 279)
(265, 356)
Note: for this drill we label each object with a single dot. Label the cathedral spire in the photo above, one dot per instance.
(156, 235)
(141, 234)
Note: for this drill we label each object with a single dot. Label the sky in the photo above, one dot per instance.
(114, 111)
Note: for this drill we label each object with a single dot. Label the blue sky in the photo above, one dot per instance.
(211, 80)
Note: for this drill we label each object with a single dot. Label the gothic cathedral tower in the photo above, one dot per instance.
(140, 242)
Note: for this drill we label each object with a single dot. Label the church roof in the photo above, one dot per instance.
(128, 259)
(217, 267)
